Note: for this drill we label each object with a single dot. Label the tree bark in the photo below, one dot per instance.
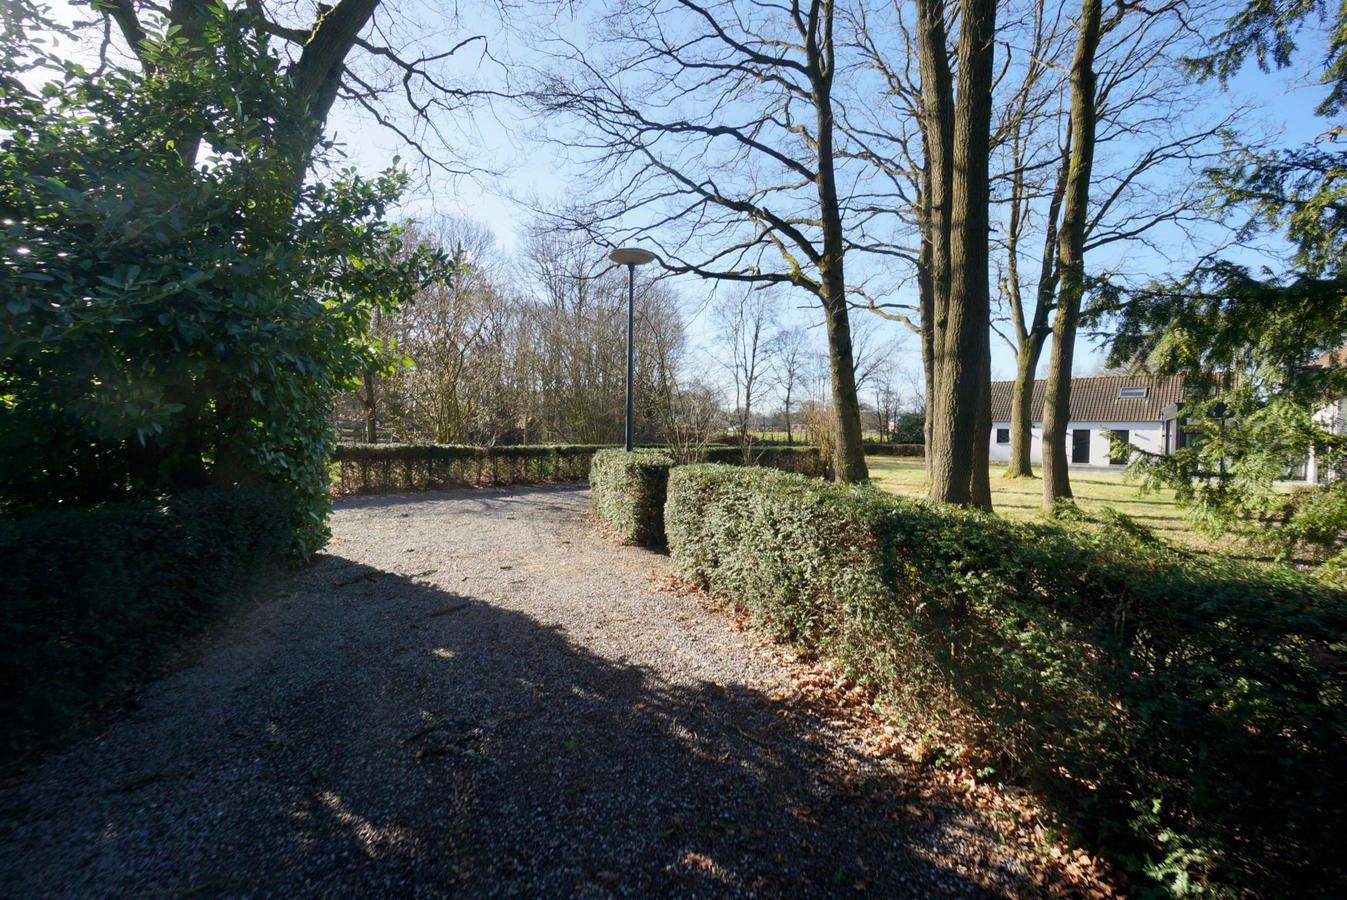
(1030, 340)
(369, 401)
(1071, 258)
(849, 453)
(961, 432)
(937, 133)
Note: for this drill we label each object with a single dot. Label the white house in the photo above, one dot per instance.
(1143, 410)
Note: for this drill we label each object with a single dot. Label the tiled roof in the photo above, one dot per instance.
(1098, 399)
(1332, 358)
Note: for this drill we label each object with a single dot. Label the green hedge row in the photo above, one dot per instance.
(383, 468)
(800, 460)
(90, 597)
(1189, 718)
(879, 448)
(627, 491)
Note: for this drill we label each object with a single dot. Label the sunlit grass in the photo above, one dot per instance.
(1022, 498)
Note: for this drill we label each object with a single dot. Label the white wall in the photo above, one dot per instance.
(1146, 435)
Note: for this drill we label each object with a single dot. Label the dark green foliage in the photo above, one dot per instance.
(381, 468)
(628, 492)
(1265, 30)
(171, 321)
(91, 597)
(1189, 718)
(910, 450)
(910, 428)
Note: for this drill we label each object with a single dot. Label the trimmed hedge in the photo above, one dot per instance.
(879, 448)
(91, 597)
(1190, 719)
(627, 490)
(800, 460)
(384, 468)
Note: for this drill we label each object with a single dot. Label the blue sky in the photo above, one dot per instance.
(528, 169)
(494, 139)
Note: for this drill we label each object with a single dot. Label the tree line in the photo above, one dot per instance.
(529, 347)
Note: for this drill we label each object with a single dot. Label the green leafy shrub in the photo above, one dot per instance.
(628, 492)
(381, 468)
(169, 324)
(91, 597)
(1187, 717)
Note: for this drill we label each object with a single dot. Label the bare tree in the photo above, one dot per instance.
(1071, 253)
(958, 181)
(791, 352)
(748, 332)
(718, 120)
(690, 415)
(1153, 136)
(450, 346)
(572, 359)
(886, 389)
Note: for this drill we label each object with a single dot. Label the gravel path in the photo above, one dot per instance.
(474, 694)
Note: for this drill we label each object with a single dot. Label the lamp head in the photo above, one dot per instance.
(630, 256)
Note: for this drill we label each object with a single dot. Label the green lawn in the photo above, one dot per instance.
(1022, 498)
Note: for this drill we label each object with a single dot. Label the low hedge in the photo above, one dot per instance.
(627, 491)
(879, 448)
(384, 468)
(1187, 718)
(91, 597)
(800, 460)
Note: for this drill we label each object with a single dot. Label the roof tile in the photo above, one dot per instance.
(1097, 399)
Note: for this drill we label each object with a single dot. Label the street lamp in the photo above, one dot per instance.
(631, 257)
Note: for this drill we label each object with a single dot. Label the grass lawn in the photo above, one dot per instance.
(1022, 498)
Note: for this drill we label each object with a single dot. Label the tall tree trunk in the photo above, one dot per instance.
(927, 303)
(849, 452)
(369, 402)
(1071, 258)
(1021, 411)
(1031, 339)
(937, 134)
(962, 429)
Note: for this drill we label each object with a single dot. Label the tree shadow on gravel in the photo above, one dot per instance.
(525, 764)
(445, 747)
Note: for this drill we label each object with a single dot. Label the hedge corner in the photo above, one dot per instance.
(629, 490)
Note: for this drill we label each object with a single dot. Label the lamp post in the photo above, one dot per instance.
(631, 257)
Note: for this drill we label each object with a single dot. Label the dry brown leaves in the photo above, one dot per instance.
(818, 689)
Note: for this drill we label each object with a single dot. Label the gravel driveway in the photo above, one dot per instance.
(474, 694)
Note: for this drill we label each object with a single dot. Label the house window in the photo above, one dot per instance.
(1003, 435)
(1123, 435)
(1138, 393)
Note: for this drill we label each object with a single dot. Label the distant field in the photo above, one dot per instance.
(1022, 498)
